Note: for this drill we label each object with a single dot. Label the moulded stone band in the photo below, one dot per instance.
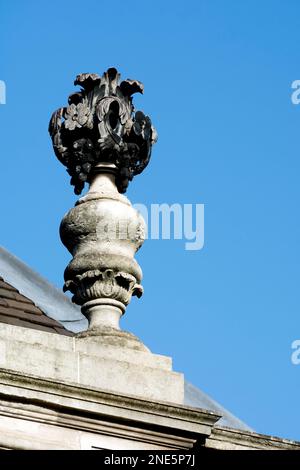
(104, 301)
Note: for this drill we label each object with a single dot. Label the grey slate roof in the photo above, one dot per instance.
(58, 306)
(47, 297)
(193, 396)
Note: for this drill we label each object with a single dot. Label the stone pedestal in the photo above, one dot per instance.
(116, 361)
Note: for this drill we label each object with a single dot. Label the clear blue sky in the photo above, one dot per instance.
(217, 78)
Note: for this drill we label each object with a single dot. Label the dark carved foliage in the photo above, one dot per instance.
(100, 125)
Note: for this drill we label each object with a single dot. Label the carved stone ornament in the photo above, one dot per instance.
(103, 232)
(103, 142)
(100, 125)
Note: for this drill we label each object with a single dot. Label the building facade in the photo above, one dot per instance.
(62, 390)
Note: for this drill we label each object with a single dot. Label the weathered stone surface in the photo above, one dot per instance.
(112, 337)
(223, 438)
(112, 364)
(103, 142)
(109, 347)
(38, 413)
(135, 379)
(9, 333)
(39, 360)
(103, 232)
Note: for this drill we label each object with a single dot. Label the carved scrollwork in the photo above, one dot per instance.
(100, 125)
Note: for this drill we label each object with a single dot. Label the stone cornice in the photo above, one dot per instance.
(88, 410)
(80, 400)
(223, 438)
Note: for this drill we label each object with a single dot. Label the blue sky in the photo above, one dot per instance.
(217, 79)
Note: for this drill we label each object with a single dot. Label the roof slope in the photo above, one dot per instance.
(44, 295)
(16, 309)
(193, 396)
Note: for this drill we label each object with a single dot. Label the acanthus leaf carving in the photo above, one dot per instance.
(100, 125)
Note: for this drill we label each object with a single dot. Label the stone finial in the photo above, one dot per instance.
(102, 141)
(100, 125)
